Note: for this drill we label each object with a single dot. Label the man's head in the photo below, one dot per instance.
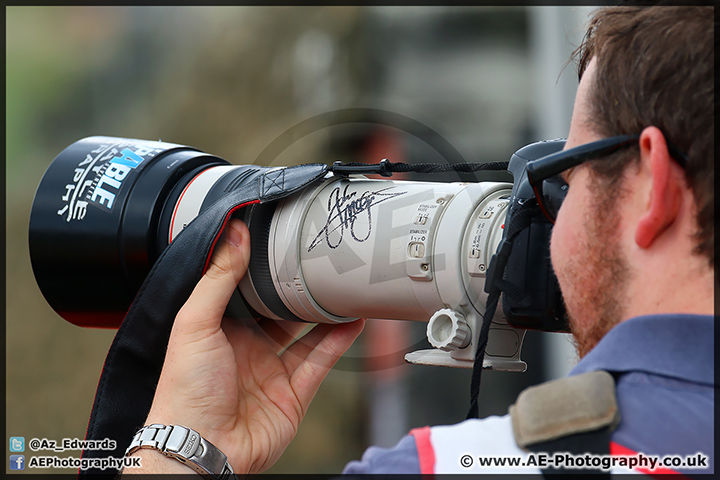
(655, 67)
(645, 71)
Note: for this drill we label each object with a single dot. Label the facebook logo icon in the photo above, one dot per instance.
(17, 462)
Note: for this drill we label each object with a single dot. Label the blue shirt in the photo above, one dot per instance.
(665, 384)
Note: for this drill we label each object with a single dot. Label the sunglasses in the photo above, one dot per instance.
(544, 173)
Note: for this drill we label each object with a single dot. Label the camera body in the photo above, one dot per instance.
(528, 267)
(345, 248)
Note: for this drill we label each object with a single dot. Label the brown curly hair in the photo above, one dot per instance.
(655, 67)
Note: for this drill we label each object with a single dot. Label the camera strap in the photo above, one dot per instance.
(386, 168)
(134, 362)
(494, 286)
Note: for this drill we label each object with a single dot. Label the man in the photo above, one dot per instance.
(632, 247)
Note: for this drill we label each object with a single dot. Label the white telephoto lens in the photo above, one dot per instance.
(401, 250)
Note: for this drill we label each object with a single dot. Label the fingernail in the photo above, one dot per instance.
(233, 237)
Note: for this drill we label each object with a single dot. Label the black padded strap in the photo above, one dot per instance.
(596, 442)
(133, 364)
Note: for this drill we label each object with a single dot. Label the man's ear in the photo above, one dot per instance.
(665, 197)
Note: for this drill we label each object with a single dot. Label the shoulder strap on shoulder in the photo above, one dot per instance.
(575, 415)
(558, 408)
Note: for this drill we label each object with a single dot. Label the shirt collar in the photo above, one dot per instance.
(679, 346)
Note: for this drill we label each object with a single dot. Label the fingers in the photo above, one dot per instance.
(310, 359)
(207, 303)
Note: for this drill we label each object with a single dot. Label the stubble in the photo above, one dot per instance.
(598, 280)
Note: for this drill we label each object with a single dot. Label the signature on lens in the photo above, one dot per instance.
(344, 209)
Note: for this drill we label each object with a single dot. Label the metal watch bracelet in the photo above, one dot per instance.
(187, 446)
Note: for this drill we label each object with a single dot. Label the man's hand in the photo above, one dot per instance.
(239, 385)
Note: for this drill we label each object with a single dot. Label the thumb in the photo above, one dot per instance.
(206, 305)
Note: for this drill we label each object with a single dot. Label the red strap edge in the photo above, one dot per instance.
(426, 452)
(659, 472)
(222, 229)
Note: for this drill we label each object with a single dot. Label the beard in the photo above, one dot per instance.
(594, 283)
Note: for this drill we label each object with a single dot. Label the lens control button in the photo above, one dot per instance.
(416, 249)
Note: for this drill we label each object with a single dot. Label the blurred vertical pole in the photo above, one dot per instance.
(386, 340)
(554, 34)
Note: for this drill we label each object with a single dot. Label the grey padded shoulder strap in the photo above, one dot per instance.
(563, 407)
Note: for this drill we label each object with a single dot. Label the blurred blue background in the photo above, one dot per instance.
(229, 80)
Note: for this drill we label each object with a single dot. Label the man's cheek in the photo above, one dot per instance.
(553, 250)
(564, 244)
(558, 245)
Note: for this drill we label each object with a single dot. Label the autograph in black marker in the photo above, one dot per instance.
(343, 211)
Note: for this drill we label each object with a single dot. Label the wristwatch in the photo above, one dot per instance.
(186, 445)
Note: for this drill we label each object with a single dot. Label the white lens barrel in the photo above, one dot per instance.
(191, 199)
(385, 249)
(355, 247)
